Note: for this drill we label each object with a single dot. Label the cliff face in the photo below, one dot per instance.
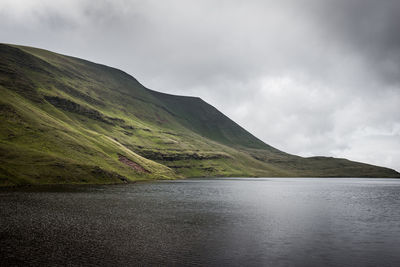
(67, 120)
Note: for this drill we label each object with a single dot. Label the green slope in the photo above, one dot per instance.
(67, 120)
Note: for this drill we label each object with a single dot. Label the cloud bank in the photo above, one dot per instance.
(309, 77)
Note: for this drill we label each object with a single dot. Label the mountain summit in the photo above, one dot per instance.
(68, 120)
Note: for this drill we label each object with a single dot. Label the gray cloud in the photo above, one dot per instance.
(309, 77)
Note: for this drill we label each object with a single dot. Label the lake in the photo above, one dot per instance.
(212, 222)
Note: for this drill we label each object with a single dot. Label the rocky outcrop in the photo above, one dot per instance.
(133, 165)
(174, 156)
(74, 107)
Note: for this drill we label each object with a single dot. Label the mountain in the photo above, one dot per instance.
(68, 120)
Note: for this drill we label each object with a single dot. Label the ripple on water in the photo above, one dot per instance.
(271, 221)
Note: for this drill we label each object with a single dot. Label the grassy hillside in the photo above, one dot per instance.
(67, 120)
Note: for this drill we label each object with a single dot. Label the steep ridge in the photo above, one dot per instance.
(68, 120)
(207, 121)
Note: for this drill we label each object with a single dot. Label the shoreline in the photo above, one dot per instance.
(75, 185)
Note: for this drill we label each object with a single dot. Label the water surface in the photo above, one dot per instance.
(213, 222)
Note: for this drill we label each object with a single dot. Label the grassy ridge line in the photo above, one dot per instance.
(73, 123)
(60, 113)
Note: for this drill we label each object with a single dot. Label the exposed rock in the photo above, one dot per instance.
(75, 93)
(128, 127)
(132, 164)
(127, 133)
(73, 107)
(173, 156)
(116, 120)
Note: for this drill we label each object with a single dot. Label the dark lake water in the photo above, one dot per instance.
(212, 222)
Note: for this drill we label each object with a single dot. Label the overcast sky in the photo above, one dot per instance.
(309, 77)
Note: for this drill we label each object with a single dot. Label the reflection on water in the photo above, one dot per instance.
(235, 222)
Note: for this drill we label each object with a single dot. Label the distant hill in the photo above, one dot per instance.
(68, 120)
